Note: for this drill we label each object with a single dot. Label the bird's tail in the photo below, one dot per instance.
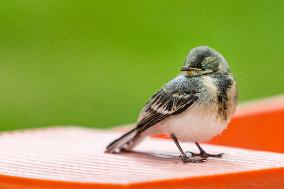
(125, 142)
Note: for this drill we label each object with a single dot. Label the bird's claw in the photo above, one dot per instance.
(218, 155)
(205, 155)
(186, 159)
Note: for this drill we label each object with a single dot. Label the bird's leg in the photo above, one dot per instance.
(184, 157)
(204, 154)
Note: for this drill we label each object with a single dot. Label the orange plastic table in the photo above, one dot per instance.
(73, 157)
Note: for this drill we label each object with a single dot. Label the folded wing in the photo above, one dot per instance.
(162, 105)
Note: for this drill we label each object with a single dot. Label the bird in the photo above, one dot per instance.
(195, 106)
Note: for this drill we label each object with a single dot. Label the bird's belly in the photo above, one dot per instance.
(199, 125)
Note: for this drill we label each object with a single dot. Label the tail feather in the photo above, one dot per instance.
(122, 142)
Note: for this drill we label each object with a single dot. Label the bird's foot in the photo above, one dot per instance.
(205, 155)
(186, 159)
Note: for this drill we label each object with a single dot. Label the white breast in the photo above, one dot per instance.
(197, 124)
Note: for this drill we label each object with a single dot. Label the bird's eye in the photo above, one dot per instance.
(209, 60)
(208, 63)
(203, 62)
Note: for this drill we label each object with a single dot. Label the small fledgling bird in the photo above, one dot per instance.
(195, 106)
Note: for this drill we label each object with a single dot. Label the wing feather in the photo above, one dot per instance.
(162, 105)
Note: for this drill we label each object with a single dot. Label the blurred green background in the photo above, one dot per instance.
(95, 63)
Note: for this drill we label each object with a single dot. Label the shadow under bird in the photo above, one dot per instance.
(195, 106)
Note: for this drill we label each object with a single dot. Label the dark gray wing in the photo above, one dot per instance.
(162, 105)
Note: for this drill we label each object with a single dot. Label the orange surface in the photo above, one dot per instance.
(73, 157)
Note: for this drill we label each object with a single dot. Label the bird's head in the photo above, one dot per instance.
(204, 60)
